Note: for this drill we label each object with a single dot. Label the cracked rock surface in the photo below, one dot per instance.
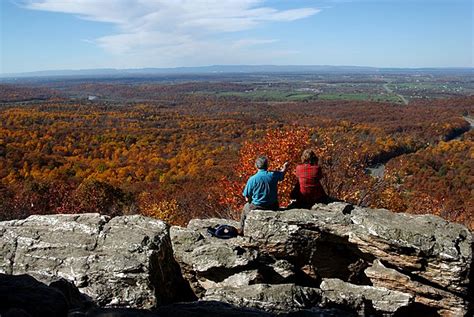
(121, 261)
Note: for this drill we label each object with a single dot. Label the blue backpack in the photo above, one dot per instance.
(223, 231)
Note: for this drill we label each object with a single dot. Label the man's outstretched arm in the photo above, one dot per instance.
(284, 167)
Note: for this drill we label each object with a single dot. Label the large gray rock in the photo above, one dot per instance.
(293, 233)
(271, 298)
(122, 261)
(219, 257)
(315, 241)
(445, 303)
(208, 262)
(308, 301)
(427, 246)
(337, 241)
(365, 299)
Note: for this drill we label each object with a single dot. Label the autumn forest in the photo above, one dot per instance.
(181, 150)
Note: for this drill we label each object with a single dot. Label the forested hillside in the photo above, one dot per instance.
(167, 152)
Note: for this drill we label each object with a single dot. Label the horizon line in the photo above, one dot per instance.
(131, 69)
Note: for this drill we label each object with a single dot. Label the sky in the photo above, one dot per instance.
(85, 34)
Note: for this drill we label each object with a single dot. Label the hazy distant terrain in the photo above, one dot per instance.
(239, 69)
(264, 83)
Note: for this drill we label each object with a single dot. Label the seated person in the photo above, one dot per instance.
(308, 191)
(261, 191)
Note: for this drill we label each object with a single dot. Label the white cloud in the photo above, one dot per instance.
(172, 32)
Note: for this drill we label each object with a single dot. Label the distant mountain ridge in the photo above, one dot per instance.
(229, 69)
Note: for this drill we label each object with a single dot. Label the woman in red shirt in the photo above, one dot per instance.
(308, 191)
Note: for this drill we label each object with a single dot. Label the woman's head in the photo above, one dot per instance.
(309, 157)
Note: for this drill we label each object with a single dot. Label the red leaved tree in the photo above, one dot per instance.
(340, 156)
(279, 146)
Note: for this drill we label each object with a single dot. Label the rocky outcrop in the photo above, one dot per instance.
(333, 260)
(368, 261)
(122, 261)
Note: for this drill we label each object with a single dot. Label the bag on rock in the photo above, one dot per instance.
(223, 231)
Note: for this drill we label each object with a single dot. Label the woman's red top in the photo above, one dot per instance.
(309, 176)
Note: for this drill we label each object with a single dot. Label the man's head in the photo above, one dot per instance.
(261, 162)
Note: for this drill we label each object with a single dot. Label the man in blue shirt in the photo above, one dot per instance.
(261, 191)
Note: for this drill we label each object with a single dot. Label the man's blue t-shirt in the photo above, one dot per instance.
(262, 187)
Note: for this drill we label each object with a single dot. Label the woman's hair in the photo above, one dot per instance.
(308, 157)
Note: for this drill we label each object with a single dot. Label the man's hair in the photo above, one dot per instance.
(308, 157)
(261, 162)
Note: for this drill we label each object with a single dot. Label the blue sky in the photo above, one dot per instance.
(82, 34)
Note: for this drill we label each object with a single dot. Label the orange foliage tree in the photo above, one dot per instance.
(344, 151)
(279, 146)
